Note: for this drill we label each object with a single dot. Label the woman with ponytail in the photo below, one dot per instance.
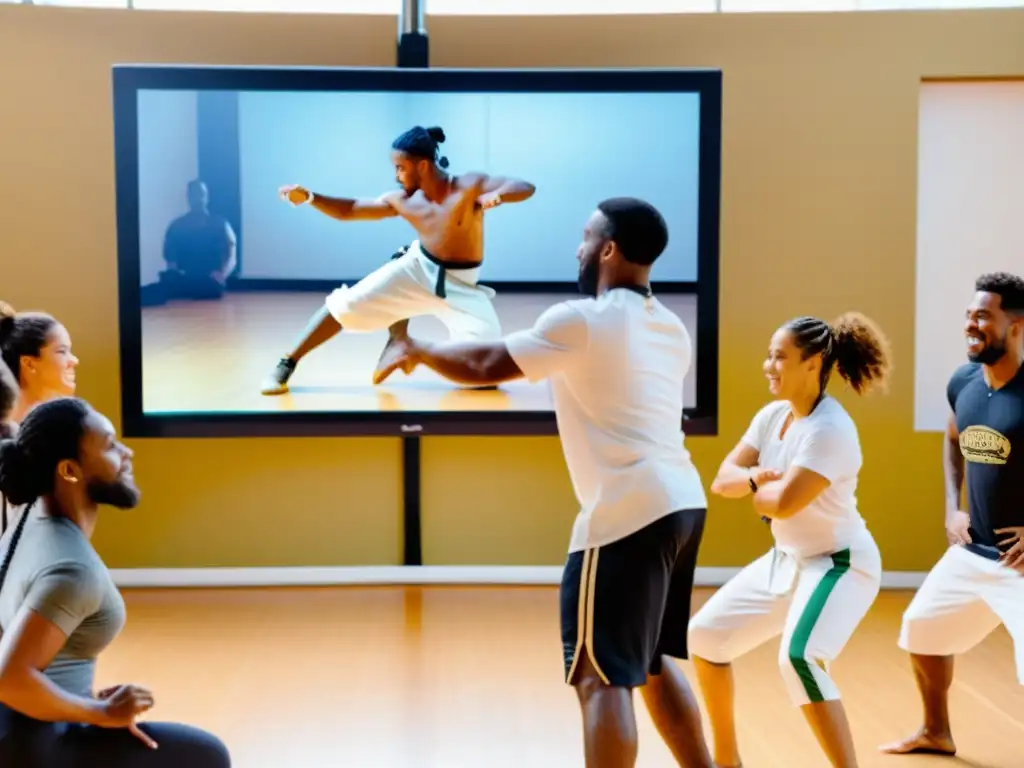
(36, 349)
(799, 460)
(59, 607)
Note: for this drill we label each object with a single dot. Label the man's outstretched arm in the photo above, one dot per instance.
(354, 209)
(343, 208)
(552, 345)
(477, 363)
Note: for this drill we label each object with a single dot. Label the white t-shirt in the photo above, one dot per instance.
(616, 366)
(825, 442)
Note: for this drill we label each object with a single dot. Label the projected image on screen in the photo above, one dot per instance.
(236, 277)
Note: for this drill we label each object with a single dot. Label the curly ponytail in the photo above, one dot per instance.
(11, 465)
(853, 344)
(861, 352)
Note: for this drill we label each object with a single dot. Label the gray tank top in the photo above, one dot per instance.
(56, 572)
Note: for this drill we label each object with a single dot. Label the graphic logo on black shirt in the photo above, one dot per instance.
(983, 445)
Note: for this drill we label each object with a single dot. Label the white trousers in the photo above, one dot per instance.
(406, 287)
(963, 598)
(815, 604)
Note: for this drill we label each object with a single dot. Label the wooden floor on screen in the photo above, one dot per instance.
(466, 677)
(211, 357)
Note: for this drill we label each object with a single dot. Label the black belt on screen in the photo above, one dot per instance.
(443, 267)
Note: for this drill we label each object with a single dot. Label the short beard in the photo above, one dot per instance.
(991, 354)
(587, 280)
(119, 494)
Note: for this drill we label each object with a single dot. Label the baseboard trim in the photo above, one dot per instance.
(400, 575)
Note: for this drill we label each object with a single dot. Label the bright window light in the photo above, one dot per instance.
(366, 7)
(532, 7)
(565, 7)
(77, 3)
(931, 5)
(787, 6)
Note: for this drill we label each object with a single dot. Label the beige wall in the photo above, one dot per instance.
(819, 181)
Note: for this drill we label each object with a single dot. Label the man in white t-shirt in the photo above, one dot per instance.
(616, 362)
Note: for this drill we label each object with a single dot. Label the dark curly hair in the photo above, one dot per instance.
(1008, 287)
(49, 434)
(8, 397)
(853, 344)
(22, 334)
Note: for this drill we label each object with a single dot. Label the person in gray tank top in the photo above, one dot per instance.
(59, 607)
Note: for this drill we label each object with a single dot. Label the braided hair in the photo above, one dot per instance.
(8, 397)
(51, 433)
(422, 143)
(852, 344)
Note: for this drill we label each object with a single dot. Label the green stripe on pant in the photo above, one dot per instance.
(809, 619)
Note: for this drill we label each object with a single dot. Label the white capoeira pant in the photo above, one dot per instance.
(963, 598)
(416, 284)
(815, 603)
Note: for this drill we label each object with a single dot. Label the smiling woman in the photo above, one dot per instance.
(800, 459)
(37, 350)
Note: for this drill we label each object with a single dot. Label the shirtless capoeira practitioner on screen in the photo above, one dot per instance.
(435, 275)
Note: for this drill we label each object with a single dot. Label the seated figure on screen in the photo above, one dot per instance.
(200, 252)
(617, 362)
(435, 275)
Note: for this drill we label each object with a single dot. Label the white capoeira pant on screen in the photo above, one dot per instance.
(416, 284)
(824, 573)
(963, 598)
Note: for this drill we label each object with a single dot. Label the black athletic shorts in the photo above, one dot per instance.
(627, 604)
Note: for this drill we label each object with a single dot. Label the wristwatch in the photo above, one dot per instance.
(753, 488)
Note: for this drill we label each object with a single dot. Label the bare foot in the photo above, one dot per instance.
(391, 359)
(922, 743)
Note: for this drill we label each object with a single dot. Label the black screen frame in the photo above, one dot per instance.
(129, 79)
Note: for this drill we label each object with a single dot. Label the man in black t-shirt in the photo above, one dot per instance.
(979, 582)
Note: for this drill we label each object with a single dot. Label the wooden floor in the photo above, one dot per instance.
(211, 357)
(460, 677)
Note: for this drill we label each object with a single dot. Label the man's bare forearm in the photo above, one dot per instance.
(515, 191)
(953, 471)
(460, 362)
(229, 262)
(352, 209)
(34, 695)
